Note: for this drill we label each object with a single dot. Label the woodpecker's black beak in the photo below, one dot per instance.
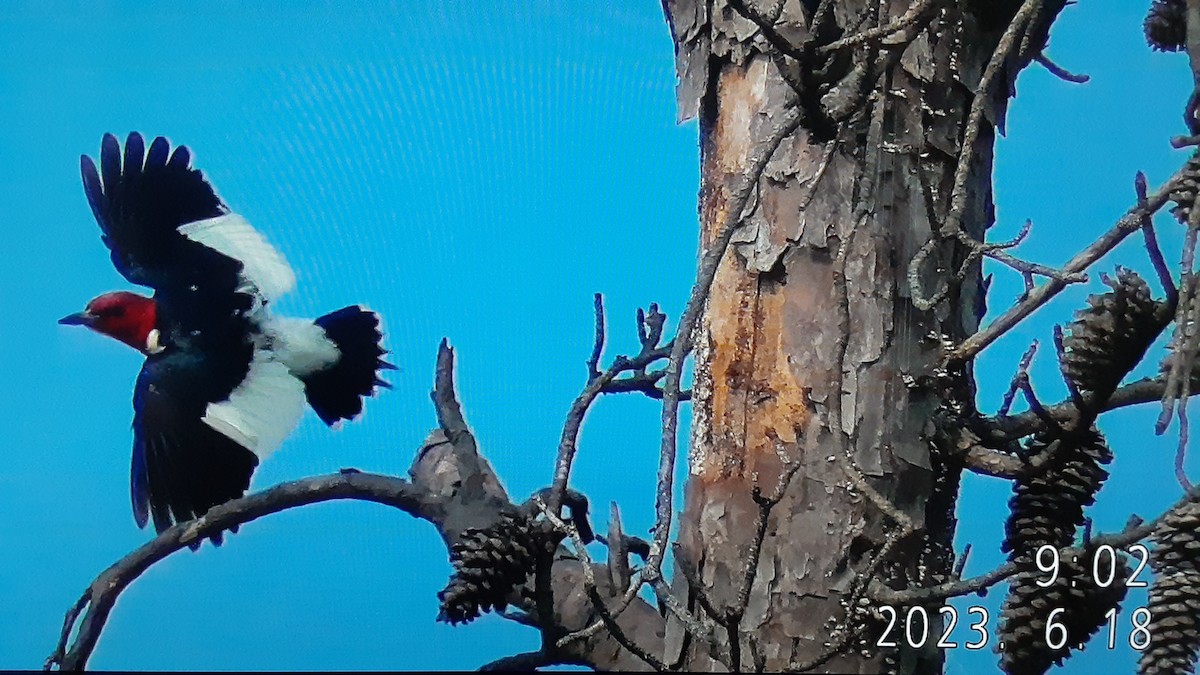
(78, 319)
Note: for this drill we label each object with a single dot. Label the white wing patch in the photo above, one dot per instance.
(301, 345)
(264, 408)
(264, 269)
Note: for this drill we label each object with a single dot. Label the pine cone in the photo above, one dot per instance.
(1166, 25)
(1110, 336)
(491, 562)
(1028, 609)
(1046, 509)
(1047, 506)
(1175, 594)
(1174, 629)
(1184, 194)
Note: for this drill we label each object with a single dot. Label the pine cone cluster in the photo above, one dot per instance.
(1184, 194)
(1029, 607)
(1166, 25)
(1046, 509)
(491, 562)
(1047, 506)
(1110, 336)
(1175, 595)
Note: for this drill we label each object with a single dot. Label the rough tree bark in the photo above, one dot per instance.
(868, 171)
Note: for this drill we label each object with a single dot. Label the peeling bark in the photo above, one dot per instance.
(765, 354)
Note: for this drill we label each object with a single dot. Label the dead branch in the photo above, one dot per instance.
(1129, 223)
(448, 460)
(102, 593)
(1015, 384)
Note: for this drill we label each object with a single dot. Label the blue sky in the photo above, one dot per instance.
(469, 170)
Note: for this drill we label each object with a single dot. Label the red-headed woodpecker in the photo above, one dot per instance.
(224, 381)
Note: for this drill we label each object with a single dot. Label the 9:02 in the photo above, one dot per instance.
(1047, 561)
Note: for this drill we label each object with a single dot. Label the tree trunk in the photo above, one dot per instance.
(870, 162)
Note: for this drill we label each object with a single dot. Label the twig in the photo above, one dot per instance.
(618, 553)
(961, 563)
(593, 363)
(1060, 350)
(1015, 384)
(767, 27)
(1165, 279)
(595, 627)
(568, 443)
(593, 593)
(1181, 448)
(68, 626)
(1035, 405)
(103, 592)
(915, 13)
(1145, 390)
(692, 576)
(664, 494)
(837, 391)
(952, 227)
(1128, 224)
(996, 64)
(1060, 72)
(445, 402)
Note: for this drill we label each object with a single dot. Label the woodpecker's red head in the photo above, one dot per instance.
(122, 315)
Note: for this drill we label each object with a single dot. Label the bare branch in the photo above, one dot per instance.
(593, 594)
(1165, 278)
(1060, 72)
(593, 363)
(767, 27)
(917, 12)
(1129, 223)
(448, 460)
(1009, 41)
(1145, 390)
(102, 594)
(1015, 384)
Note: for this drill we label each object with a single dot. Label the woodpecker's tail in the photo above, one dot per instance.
(336, 392)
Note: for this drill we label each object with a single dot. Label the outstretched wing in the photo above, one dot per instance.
(201, 424)
(166, 227)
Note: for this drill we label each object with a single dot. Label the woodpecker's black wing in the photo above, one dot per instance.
(181, 465)
(211, 402)
(166, 228)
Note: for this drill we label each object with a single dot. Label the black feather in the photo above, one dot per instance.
(93, 190)
(159, 150)
(110, 165)
(180, 159)
(140, 207)
(336, 393)
(134, 151)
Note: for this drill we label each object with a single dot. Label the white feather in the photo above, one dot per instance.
(263, 409)
(301, 345)
(264, 269)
